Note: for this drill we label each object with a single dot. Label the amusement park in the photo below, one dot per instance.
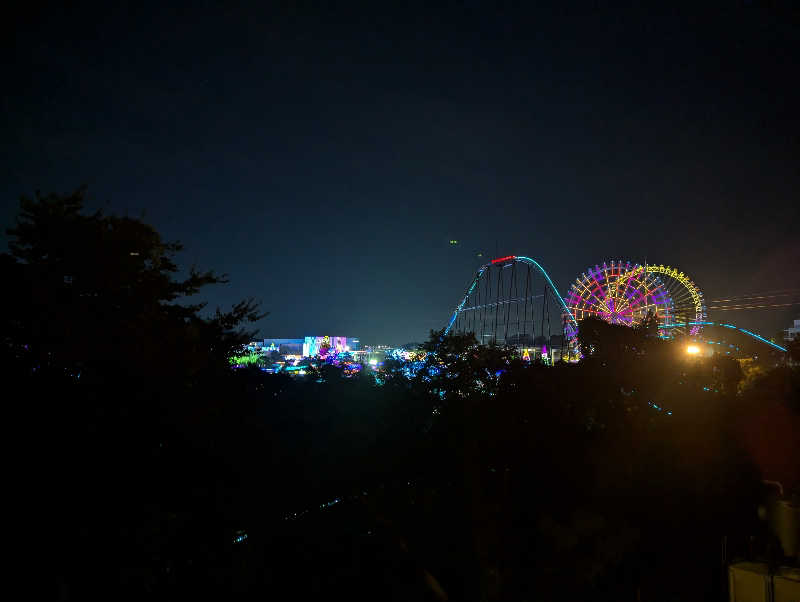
(510, 451)
(513, 304)
(512, 301)
(457, 302)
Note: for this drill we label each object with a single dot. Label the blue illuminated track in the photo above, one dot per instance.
(466, 296)
(571, 318)
(510, 258)
(732, 327)
(552, 286)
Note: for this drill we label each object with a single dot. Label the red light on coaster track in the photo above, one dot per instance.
(506, 258)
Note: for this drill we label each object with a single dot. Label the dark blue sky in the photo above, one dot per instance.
(324, 159)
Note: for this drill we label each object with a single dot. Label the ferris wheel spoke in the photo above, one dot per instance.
(621, 292)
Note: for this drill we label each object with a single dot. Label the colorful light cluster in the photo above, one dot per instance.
(244, 360)
(619, 293)
(324, 345)
(608, 292)
(695, 309)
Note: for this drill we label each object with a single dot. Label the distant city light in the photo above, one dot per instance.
(373, 362)
(240, 537)
(693, 350)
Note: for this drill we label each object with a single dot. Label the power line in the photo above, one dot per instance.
(764, 295)
(738, 307)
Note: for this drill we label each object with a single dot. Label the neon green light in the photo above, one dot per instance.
(241, 360)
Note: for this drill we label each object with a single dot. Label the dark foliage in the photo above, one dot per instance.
(94, 295)
(480, 477)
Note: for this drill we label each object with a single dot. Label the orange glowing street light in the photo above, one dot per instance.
(693, 350)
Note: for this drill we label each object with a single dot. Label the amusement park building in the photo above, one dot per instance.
(307, 347)
(314, 346)
(282, 346)
(793, 332)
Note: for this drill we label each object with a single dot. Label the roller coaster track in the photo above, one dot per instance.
(508, 260)
(569, 320)
(732, 327)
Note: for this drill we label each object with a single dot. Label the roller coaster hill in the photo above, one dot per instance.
(512, 301)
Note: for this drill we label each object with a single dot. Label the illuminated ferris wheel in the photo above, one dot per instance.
(688, 304)
(625, 293)
(619, 293)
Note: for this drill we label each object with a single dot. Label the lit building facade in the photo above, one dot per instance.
(325, 345)
(311, 346)
(793, 332)
(281, 346)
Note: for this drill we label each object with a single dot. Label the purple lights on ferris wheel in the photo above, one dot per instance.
(626, 293)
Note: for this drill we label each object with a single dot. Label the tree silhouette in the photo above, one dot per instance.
(93, 295)
(793, 348)
(470, 472)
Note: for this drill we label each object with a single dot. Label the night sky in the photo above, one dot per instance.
(325, 158)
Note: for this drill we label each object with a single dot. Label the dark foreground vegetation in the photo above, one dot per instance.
(144, 468)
